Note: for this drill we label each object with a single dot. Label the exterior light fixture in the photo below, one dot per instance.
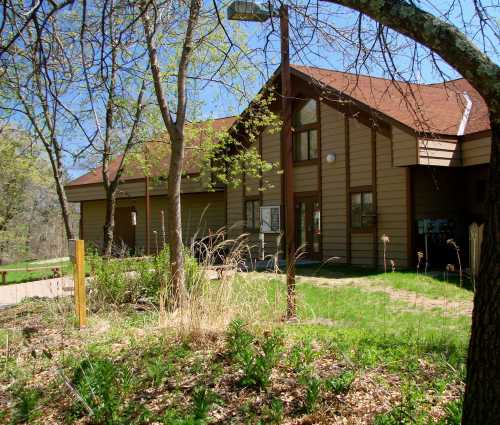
(241, 10)
(331, 157)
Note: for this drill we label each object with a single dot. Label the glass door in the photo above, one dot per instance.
(308, 227)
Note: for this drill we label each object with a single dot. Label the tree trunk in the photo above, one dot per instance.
(175, 221)
(109, 224)
(63, 200)
(482, 391)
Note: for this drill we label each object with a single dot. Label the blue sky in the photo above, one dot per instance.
(328, 48)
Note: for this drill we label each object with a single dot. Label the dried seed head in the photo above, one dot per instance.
(450, 267)
(385, 238)
(420, 255)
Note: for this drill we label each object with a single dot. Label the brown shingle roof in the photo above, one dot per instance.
(133, 169)
(436, 108)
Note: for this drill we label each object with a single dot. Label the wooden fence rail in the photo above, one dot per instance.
(56, 271)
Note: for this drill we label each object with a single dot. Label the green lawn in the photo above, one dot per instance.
(27, 276)
(433, 285)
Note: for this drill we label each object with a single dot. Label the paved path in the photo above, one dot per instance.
(48, 288)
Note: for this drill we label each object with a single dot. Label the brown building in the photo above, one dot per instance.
(371, 157)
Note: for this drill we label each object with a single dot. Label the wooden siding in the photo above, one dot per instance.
(362, 248)
(201, 213)
(404, 147)
(475, 152)
(334, 211)
(305, 178)
(361, 163)
(440, 152)
(392, 208)
(130, 190)
(271, 195)
(360, 153)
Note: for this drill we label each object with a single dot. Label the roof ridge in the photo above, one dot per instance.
(431, 85)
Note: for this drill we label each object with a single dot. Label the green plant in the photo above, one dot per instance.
(313, 387)
(273, 414)
(301, 355)
(157, 368)
(341, 383)
(409, 411)
(26, 404)
(256, 358)
(453, 412)
(103, 386)
(203, 400)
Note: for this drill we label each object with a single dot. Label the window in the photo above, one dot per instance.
(252, 211)
(362, 213)
(307, 114)
(270, 217)
(306, 145)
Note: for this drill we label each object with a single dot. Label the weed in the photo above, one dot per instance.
(340, 384)
(409, 411)
(102, 387)
(26, 404)
(273, 414)
(256, 358)
(313, 386)
(453, 413)
(301, 356)
(203, 400)
(157, 369)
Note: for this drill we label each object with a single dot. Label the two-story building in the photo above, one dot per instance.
(371, 157)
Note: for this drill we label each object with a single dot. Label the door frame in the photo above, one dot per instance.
(312, 196)
(134, 228)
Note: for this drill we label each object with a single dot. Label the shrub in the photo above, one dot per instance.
(129, 280)
(256, 358)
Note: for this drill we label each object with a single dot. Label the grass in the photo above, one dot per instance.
(432, 285)
(354, 354)
(27, 276)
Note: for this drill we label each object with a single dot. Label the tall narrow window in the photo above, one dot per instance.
(305, 141)
(252, 213)
(362, 212)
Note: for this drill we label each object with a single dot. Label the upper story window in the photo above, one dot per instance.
(307, 114)
(305, 139)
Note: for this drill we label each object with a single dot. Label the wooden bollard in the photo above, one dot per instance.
(77, 255)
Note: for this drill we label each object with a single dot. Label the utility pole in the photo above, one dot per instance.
(287, 143)
(251, 11)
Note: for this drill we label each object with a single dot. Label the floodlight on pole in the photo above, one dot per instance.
(240, 10)
(251, 11)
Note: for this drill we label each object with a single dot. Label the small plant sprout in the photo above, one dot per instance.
(420, 256)
(454, 245)
(385, 240)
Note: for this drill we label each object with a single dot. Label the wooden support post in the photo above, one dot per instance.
(77, 254)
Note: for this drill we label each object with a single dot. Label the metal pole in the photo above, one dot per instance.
(286, 135)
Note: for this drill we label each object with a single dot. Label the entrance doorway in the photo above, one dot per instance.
(308, 226)
(124, 232)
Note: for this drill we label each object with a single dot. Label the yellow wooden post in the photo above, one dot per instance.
(77, 253)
